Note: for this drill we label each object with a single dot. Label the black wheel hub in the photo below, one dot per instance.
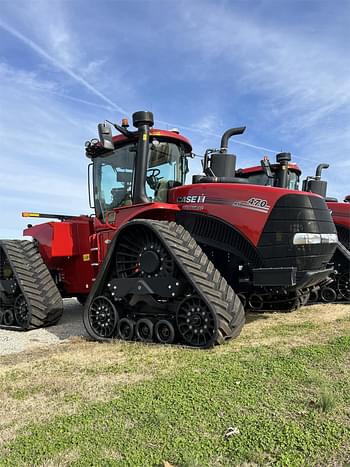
(196, 322)
(150, 262)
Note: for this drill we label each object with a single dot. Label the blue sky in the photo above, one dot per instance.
(280, 67)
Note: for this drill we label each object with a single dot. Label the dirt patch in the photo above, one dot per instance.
(70, 325)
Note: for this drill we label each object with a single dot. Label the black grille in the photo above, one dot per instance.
(216, 233)
(293, 214)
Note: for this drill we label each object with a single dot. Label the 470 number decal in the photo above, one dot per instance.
(261, 203)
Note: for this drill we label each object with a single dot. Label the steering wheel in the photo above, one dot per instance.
(155, 172)
(153, 178)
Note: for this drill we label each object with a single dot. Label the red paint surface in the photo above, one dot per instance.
(340, 213)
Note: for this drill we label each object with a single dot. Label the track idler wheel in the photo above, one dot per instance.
(103, 317)
(164, 332)
(126, 329)
(21, 312)
(144, 330)
(196, 323)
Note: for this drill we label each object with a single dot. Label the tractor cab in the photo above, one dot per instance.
(135, 167)
(268, 174)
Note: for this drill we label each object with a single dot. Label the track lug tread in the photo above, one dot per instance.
(35, 282)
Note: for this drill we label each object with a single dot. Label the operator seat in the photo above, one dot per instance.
(161, 192)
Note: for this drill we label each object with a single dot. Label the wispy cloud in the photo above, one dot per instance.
(59, 65)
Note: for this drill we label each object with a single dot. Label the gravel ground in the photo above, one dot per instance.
(71, 324)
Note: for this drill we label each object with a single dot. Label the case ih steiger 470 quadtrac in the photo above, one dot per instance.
(337, 286)
(162, 260)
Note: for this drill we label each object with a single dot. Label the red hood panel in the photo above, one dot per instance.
(247, 207)
(340, 213)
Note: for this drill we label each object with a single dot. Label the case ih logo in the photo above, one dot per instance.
(191, 199)
(254, 204)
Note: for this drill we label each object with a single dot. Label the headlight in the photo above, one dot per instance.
(329, 238)
(313, 238)
(306, 238)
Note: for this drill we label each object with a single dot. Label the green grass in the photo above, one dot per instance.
(291, 407)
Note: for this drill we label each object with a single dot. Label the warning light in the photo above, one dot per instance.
(125, 123)
(30, 214)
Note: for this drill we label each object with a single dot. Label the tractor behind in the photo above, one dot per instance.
(280, 174)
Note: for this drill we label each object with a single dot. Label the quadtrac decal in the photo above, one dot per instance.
(253, 204)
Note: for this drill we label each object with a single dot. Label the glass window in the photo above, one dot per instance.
(167, 168)
(113, 178)
(293, 181)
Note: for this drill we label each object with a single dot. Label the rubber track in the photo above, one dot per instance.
(205, 278)
(35, 282)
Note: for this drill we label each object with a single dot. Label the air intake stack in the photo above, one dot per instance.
(315, 184)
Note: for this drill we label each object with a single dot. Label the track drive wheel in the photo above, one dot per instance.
(102, 318)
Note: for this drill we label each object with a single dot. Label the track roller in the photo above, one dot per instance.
(164, 332)
(328, 295)
(126, 329)
(144, 330)
(158, 277)
(256, 302)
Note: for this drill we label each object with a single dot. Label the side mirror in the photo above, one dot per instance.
(105, 135)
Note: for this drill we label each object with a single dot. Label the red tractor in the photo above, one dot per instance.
(337, 286)
(162, 260)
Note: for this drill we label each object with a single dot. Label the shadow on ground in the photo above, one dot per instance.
(71, 323)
